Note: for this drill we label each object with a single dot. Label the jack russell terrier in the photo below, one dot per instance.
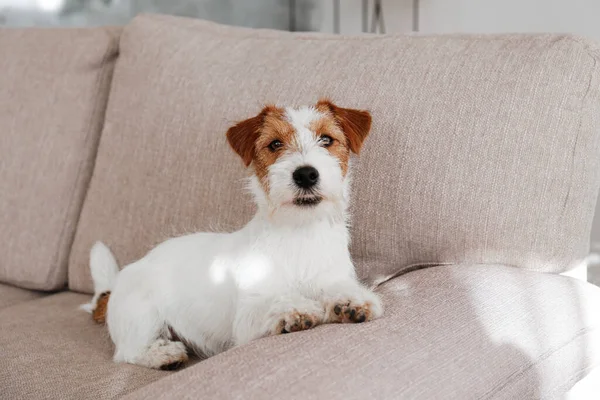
(287, 270)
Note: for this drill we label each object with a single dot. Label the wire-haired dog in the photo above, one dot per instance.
(288, 269)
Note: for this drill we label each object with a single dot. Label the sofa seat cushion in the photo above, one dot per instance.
(453, 332)
(53, 91)
(51, 350)
(11, 295)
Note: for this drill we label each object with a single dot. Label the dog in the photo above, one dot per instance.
(289, 269)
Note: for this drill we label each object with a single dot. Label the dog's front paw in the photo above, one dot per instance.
(348, 310)
(295, 321)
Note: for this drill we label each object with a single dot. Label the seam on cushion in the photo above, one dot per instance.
(99, 104)
(432, 264)
(584, 113)
(590, 46)
(514, 377)
(410, 268)
(482, 267)
(39, 295)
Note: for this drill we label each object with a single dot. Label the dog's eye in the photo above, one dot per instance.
(275, 145)
(325, 140)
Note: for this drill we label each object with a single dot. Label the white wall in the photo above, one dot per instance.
(476, 16)
(480, 16)
(494, 16)
(398, 16)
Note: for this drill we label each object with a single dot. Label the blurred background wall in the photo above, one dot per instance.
(351, 16)
(276, 14)
(477, 16)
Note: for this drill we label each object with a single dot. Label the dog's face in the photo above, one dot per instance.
(300, 155)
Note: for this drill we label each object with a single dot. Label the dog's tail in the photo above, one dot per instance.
(104, 269)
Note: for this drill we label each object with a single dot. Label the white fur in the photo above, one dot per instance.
(218, 290)
(103, 274)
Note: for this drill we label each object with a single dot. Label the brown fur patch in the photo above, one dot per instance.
(274, 127)
(99, 314)
(356, 124)
(242, 136)
(327, 125)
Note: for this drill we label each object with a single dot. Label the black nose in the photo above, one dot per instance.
(306, 177)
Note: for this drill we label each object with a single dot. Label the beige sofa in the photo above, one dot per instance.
(482, 166)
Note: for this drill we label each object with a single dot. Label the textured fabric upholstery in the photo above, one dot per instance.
(483, 149)
(460, 332)
(452, 332)
(11, 295)
(52, 350)
(54, 85)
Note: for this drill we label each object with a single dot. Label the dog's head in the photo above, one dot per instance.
(300, 156)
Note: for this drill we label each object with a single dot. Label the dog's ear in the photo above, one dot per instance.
(356, 124)
(242, 136)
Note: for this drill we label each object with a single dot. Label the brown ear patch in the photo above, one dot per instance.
(356, 124)
(99, 314)
(242, 136)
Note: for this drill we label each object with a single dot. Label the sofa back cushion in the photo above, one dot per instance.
(53, 89)
(483, 148)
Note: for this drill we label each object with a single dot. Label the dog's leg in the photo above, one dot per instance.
(259, 316)
(349, 301)
(140, 336)
(163, 354)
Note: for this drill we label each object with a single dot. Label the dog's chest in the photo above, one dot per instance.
(295, 255)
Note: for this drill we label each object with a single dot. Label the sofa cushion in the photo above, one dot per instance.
(483, 149)
(52, 350)
(53, 89)
(453, 332)
(11, 295)
(462, 331)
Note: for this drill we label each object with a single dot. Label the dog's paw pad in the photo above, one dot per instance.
(295, 322)
(351, 312)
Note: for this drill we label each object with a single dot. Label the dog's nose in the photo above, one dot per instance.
(306, 177)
